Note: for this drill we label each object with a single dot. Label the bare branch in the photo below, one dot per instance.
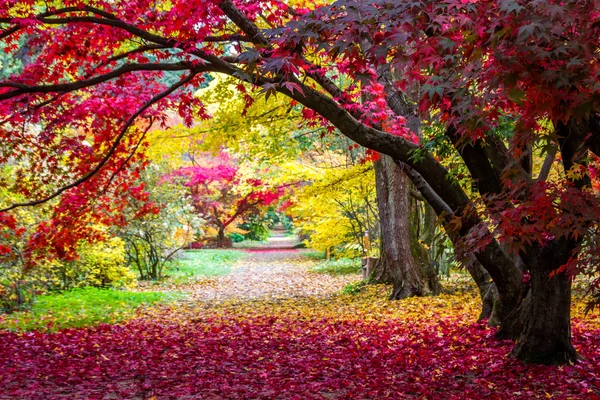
(228, 38)
(141, 49)
(434, 200)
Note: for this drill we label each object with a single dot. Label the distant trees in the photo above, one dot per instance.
(155, 227)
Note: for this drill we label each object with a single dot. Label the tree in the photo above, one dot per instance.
(336, 205)
(157, 224)
(475, 63)
(397, 263)
(221, 193)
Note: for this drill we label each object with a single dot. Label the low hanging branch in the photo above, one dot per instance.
(112, 149)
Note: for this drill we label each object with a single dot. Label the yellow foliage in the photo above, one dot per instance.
(184, 235)
(99, 264)
(234, 229)
(261, 134)
(209, 231)
(577, 171)
(337, 205)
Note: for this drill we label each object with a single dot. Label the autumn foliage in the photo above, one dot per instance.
(221, 193)
(503, 82)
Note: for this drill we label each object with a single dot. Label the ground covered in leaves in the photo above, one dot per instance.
(272, 329)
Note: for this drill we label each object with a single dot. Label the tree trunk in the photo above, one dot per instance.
(397, 264)
(491, 305)
(546, 315)
(427, 234)
(221, 237)
(546, 338)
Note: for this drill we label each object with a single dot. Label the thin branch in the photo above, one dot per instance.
(228, 38)
(255, 33)
(141, 49)
(547, 165)
(114, 174)
(427, 191)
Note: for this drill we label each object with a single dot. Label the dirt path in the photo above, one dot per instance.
(274, 270)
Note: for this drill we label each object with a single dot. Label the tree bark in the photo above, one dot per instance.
(220, 237)
(427, 234)
(490, 303)
(546, 313)
(397, 264)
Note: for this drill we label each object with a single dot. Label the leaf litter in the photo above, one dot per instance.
(242, 336)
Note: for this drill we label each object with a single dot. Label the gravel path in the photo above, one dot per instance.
(273, 271)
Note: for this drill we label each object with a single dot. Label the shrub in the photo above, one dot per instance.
(16, 289)
(257, 230)
(100, 264)
(153, 238)
(17, 285)
(236, 237)
(287, 223)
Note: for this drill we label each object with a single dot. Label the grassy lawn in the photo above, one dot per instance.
(341, 266)
(81, 307)
(91, 306)
(200, 263)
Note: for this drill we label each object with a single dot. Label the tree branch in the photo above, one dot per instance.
(69, 87)
(112, 149)
(547, 165)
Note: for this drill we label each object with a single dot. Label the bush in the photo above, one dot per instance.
(153, 238)
(17, 291)
(236, 237)
(100, 264)
(287, 223)
(257, 230)
(17, 287)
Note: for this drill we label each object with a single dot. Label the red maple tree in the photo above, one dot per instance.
(221, 195)
(466, 65)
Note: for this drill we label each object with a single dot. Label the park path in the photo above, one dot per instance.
(271, 271)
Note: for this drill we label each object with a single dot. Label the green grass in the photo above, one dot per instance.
(81, 307)
(341, 266)
(249, 244)
(315, 255)
(199, 263)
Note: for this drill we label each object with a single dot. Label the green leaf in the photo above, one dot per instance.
(516, 95)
